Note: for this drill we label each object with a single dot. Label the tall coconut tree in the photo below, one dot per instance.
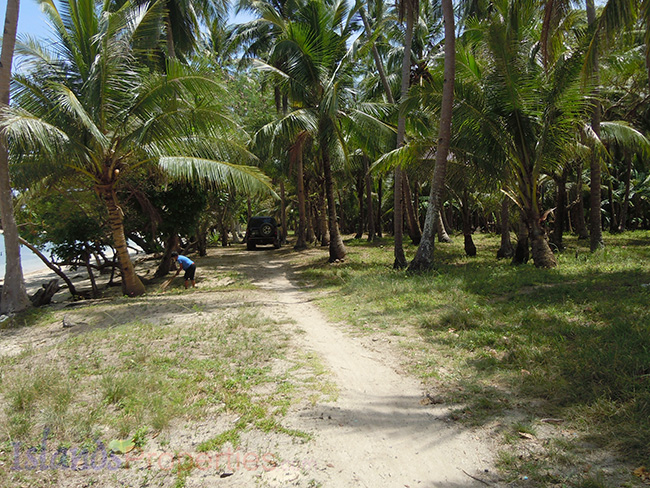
(521, 108)
(14, 296)
(310, 57)
(89, 108)
(408, 10)
(423, 259)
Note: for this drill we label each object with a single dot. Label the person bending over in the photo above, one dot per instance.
(188, 266)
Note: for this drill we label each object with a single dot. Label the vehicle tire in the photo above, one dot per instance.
(266, 230)
(250, 246)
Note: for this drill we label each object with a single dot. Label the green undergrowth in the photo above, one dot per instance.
(569, 343)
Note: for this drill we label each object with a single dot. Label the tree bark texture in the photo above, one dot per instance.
(131, 284)
(412, 222)
(506, 250)
(560, 211)
(14, 294)
(369, 210)
(440, 229)
(336, 248)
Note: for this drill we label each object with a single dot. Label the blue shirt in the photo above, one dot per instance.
(185, 262)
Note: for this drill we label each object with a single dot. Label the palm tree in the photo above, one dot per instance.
(14, 295)
(423, 259)
(310, 57)
(92, 110)
(521, 109)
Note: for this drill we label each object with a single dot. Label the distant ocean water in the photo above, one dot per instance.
(30, 261)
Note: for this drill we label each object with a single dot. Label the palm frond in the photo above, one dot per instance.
(217, 174)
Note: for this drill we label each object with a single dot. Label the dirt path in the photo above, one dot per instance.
(377, 433)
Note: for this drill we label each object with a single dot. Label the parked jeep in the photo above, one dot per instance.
(262, 230)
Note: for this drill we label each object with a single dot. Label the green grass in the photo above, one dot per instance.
(136, 371)
(571, 342)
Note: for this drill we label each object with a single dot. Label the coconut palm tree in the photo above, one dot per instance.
(309, 55)
(423, 259)
(14, 296)
(520, 108)
(91, 109)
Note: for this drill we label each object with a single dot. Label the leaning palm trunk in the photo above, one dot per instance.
(423, 260)
(337, 249)
(56, 269)
(14, 295)
(131, 284)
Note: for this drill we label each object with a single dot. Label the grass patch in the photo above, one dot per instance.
(138, 367)
(571, 342)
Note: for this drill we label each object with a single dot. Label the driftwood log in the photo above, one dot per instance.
(44, 295)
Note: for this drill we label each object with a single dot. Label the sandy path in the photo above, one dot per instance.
(377, 433)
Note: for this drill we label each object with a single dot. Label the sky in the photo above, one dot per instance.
(31, 20)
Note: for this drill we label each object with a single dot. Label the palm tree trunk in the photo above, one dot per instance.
(301, 242)
(369, 210)
(579, 208)
(361, 220)
(323, 224)
(522, 250)
(411, 220)
(131, 284)
(470, 247)
(595, 219)
(626, 198)
(441, 230)
(14, 294)
(398, 214)
(337, 249)
(560, 211)
(543, 257)
(506, 250)
(378, 63)
(172, 244)
(423, 260)
(169, 37)
(380, 195)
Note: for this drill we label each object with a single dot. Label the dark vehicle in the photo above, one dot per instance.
(262, 230)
